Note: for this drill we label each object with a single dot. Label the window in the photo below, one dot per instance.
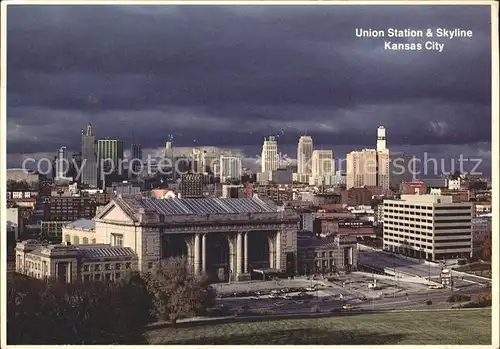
(117, 276)
(76, 240)
(117, 239)
(93, 241)
(118, 266)
(108, 276)
(97, 267)
(85, 241)
(97, 277)
(150, 265)
(86, 278)
(107, 266)
(86, 267)
(127, 266)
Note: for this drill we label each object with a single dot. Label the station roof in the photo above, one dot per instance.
(84, 224)
(176, 206)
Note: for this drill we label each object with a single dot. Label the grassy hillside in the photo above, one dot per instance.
(425, 327)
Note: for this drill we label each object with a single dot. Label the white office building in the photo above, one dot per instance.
(269, 158)
(304, 158)
(370, 167)
(322, 167)
(230, 168)
(428, 226)
(62, 163)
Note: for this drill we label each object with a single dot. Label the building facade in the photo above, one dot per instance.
(327, 255)
(71, 264)
(230, 168)
(89, 159)
(269, 158)
(110, 155)
(192, 185)
(241, 234)
(322, 166)
(135, 159)
(81, 231)
(428, 226)
(304, 157)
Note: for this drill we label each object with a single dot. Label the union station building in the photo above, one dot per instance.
(227, 239)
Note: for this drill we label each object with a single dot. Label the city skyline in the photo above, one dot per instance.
(161, 96)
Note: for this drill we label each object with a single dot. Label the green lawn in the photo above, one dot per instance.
(448, 327)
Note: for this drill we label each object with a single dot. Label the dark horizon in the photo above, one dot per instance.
(228, 76)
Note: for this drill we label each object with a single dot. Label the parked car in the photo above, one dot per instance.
(347, 307)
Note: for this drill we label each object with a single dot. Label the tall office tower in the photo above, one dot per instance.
(304, 158)
(135, 158)
(322, 163)
(322, 167)
(62, 163)
(209, 160)
(370, 167)
(381, 145)
(197, 160)
(269, 158)
(362, 168)
(169, 151)
(383, 169)
(110, 153)
(89, 159)
(230, 168)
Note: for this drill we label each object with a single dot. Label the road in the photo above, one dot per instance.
(329, 303)
(383, 260)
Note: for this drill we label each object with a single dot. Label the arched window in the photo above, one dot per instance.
(85, 241)
(76, 240)
(93, 241)
(67, 238)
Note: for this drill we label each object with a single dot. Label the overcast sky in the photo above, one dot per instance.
(227, 76)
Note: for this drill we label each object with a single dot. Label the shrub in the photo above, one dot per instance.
(458, 298)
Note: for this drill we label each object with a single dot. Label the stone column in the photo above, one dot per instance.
(231, 257)
(189, 244)
(239, 253)
(204, 253)
(196, 251)
(278, 250)
(245, 260)
(271, 252)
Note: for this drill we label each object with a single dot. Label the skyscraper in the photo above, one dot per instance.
(110, 153)
(135, 158)
(169, 151)
(322, 166)
(269, 158)
(89, 159)
(304, 157)
(381, 146)
(369, 167)
(61, 163)
(230, 168)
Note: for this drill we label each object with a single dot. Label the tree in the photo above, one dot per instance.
(486, 250)
(178, 292)
(50, 312)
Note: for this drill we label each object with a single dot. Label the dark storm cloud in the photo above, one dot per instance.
(229, 75)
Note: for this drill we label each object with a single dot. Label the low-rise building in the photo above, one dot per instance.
(73, 264)
(81, 231)
(457, 195)
(326, 255)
